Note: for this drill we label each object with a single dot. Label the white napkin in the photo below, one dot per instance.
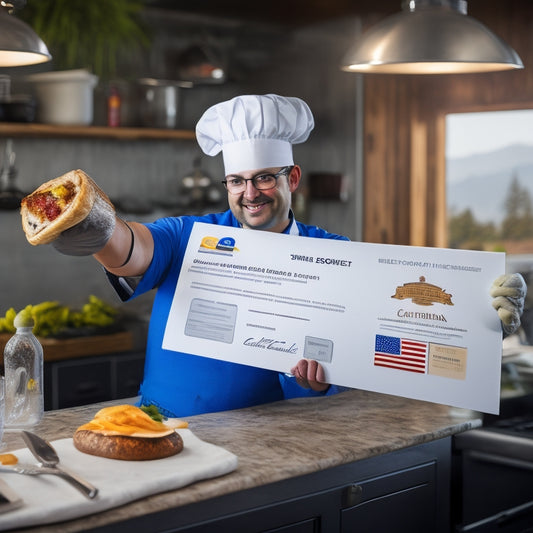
(48, 498)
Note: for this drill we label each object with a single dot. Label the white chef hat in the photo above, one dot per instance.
(254, 131)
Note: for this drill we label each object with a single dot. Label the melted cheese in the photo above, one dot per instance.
(130, 421)
(63, 193)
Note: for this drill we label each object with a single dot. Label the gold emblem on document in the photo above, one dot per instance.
(423, 293)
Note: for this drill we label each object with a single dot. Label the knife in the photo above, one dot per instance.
(45, 453)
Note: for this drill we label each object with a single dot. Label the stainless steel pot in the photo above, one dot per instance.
(159, 102)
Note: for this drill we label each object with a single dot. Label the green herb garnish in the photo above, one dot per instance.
(153, 412)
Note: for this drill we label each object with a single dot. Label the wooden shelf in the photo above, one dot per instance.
(59, 349)
(12, 129)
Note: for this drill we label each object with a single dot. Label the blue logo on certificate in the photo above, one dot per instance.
(223, 246)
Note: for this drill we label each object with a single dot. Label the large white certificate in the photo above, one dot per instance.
(403, 320)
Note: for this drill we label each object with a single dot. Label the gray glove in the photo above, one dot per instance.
(91, 234)
(509, 292)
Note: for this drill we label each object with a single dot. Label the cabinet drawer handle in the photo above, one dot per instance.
(353, 494)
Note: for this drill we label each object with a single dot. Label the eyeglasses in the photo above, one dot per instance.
(262, 182)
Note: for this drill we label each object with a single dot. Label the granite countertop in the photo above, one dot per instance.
(278, 441)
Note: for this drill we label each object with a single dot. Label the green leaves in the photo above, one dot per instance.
(91, 34)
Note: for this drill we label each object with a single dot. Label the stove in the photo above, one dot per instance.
(517, 426)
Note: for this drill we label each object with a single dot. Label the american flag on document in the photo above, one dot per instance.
(402, 354)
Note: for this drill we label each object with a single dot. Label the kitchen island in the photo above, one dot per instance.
(321, 464)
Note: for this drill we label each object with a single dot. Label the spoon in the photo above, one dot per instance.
(45, 453)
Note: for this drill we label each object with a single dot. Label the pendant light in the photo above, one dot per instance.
(19, 44)
(430, 37)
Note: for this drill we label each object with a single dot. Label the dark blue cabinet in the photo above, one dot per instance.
(406, 491)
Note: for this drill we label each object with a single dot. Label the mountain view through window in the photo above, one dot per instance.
(489, 176)
(489, 182)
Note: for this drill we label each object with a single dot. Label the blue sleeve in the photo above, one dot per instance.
(318, 233)
(171, 235)
(291, 389)
(170, 240)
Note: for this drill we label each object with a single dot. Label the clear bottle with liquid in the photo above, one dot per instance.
(23, 370)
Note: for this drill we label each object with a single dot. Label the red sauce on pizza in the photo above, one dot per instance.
(50, 204)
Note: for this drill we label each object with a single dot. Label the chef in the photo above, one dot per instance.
(255, 134)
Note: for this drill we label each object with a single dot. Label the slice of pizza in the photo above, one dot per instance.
(57, 205)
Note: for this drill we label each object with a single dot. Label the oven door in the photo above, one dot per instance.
(492, 482)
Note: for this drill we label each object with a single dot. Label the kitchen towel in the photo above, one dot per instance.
(49, 499)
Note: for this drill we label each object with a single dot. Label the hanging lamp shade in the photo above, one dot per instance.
(430, 37)
(19, 44)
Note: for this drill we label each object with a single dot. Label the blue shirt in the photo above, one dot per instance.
(182, 384)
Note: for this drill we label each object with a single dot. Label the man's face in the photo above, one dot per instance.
(264, 209)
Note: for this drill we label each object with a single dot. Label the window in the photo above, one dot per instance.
(489, 179)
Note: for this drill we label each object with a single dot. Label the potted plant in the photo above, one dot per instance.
(91, 34)
(87, 39)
